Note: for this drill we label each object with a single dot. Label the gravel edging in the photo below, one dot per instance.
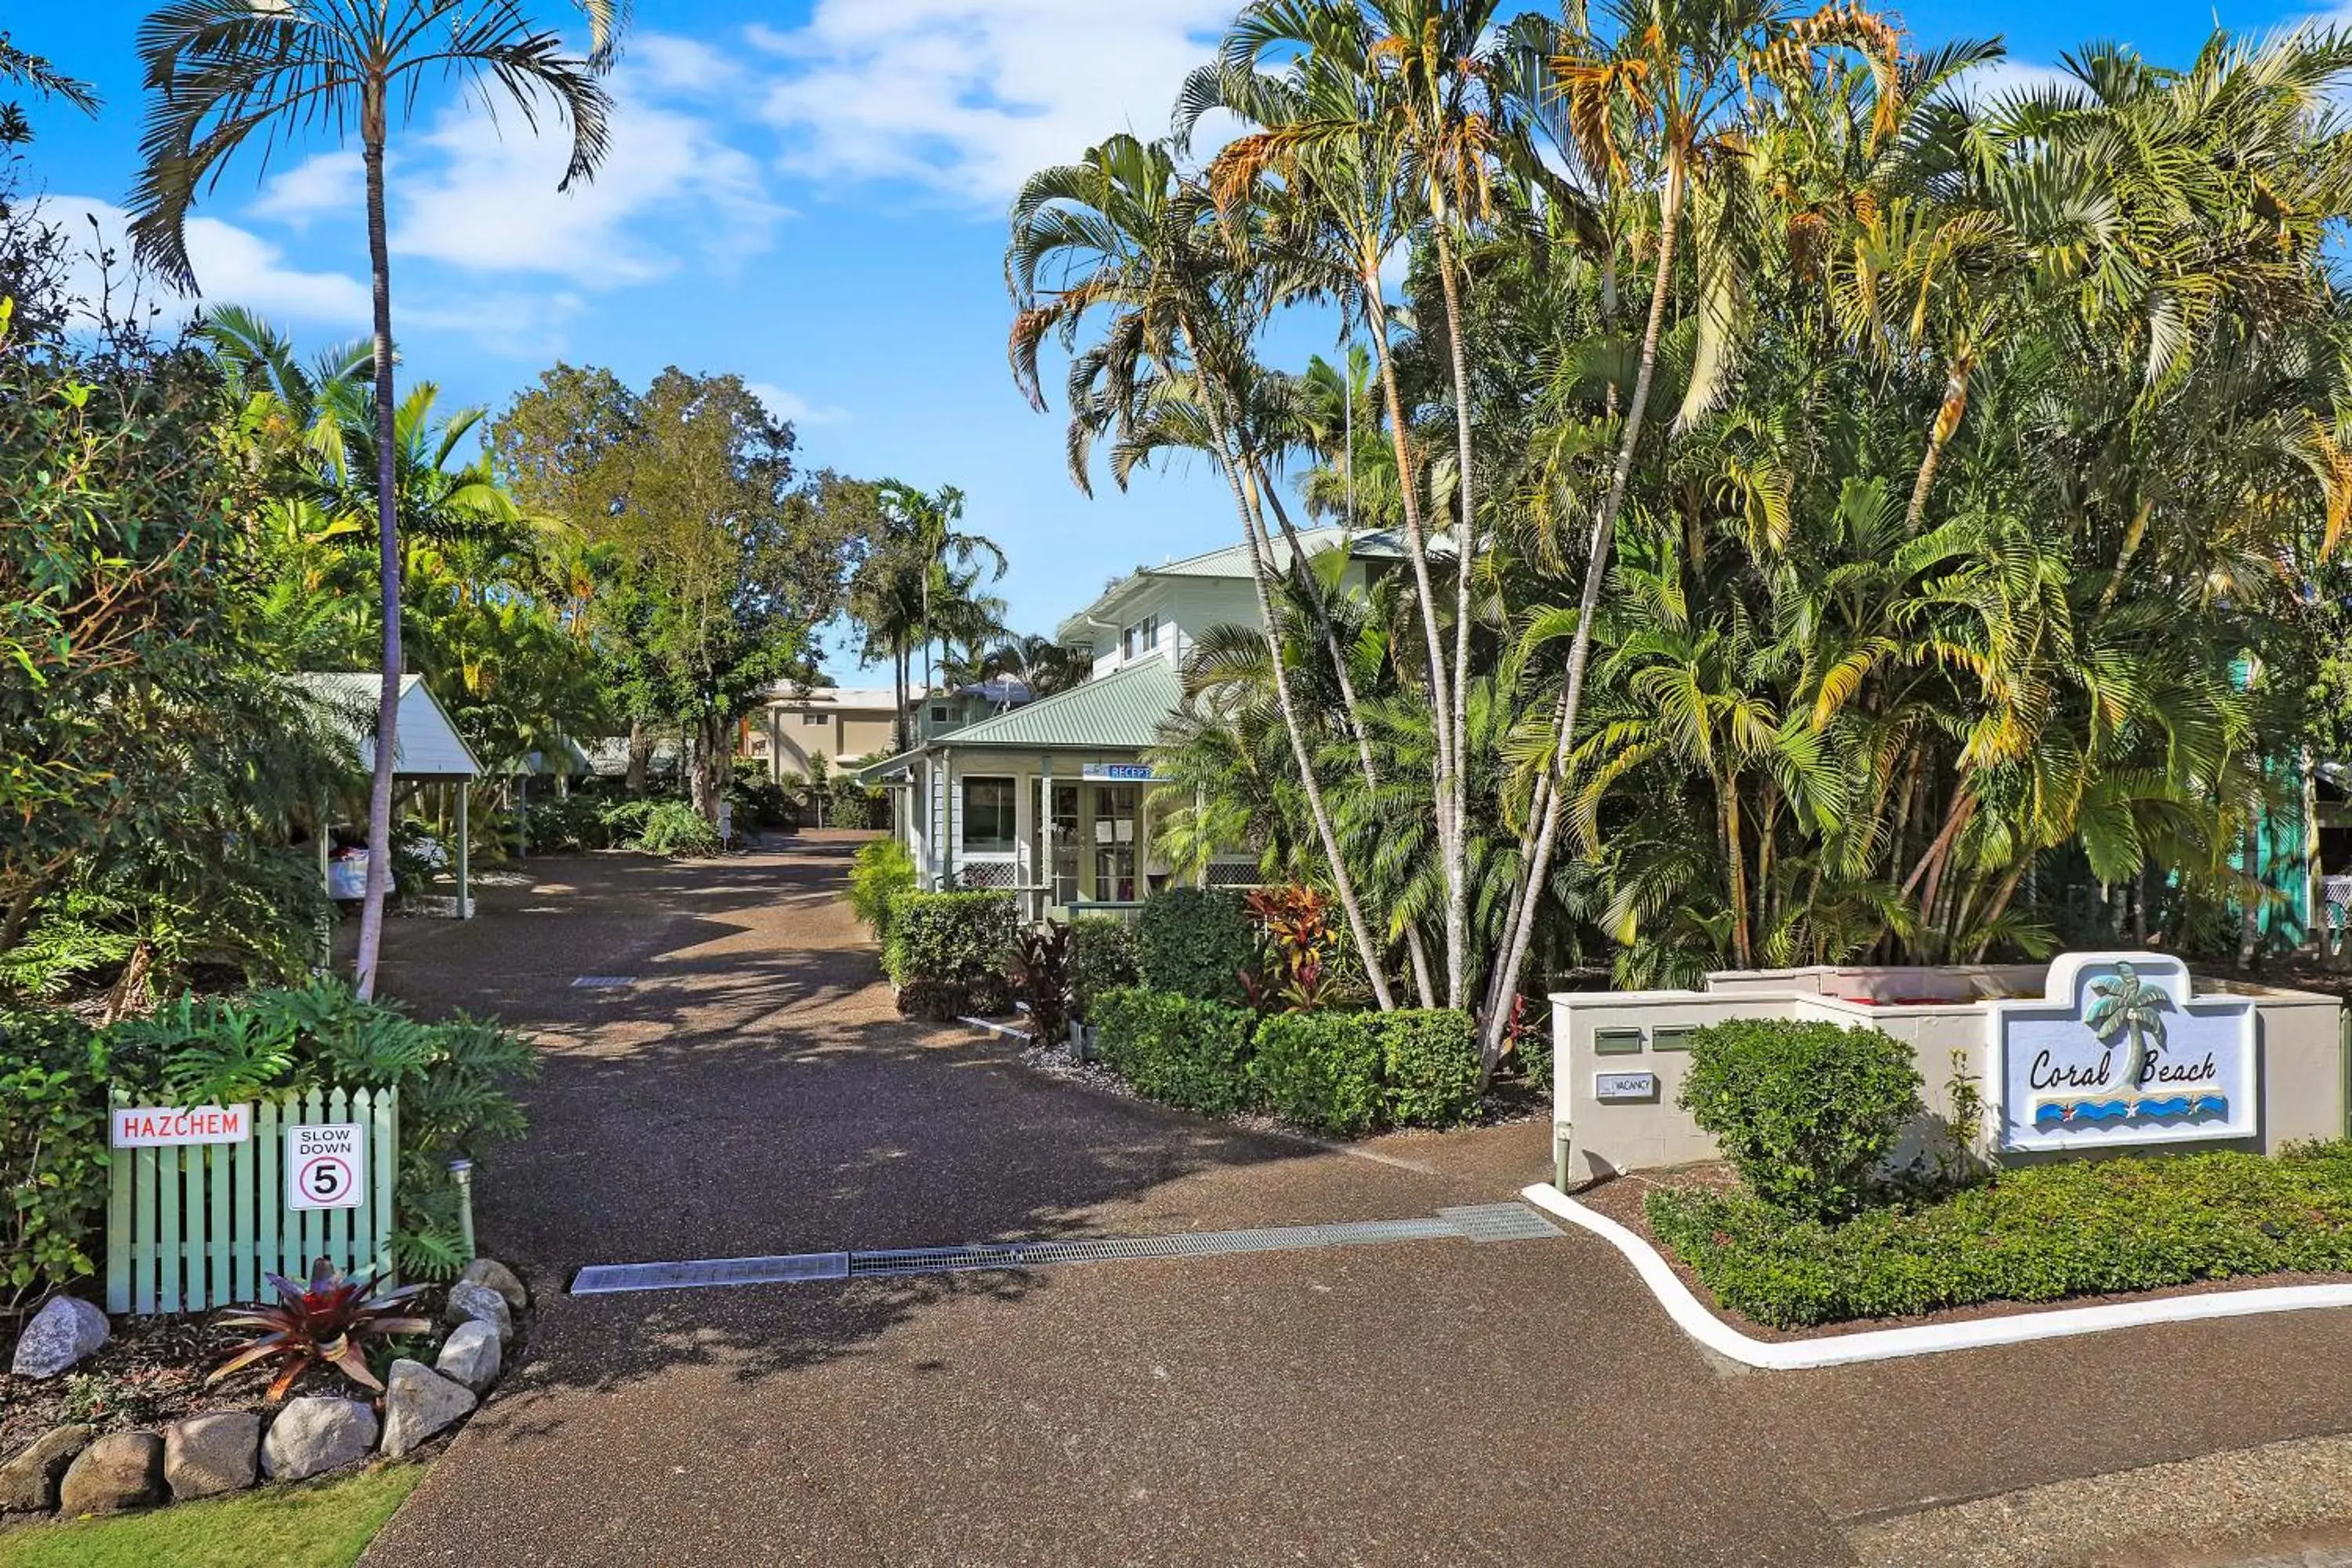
(2172, 1515)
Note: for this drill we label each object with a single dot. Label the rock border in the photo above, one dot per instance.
(71, 1472)
(2023, 1326)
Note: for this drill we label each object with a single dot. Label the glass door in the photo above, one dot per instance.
(1061, 836)
(1115, 845)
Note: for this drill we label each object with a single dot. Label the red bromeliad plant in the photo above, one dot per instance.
(326, 1323)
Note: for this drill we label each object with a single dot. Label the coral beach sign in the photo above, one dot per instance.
(2120, 1051)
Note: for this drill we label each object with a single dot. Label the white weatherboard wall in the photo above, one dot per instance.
(1949, 1018)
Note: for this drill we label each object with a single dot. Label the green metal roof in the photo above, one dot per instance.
(1121, 712)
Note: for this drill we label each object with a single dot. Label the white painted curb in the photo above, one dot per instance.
(1891, 1344)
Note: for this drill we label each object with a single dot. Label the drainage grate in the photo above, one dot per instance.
(602, 981)
(1499, 1222)
(1183, 1244)
(1477, 1223)
(792, 1269)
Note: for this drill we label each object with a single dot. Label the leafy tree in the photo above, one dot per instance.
(220, 71)
(721, 568)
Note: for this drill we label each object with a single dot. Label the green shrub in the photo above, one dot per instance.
(1807, 1113)
(879, 873)
(1196, 942)
(452, 1076)
(53, 1079)
(675, 829)
(760, 803)
(574, 822)
(1102, 957)
(1184, 1052)
(625, 819)
(1431, 1061)
(959, 938)
(940, 1001)
(2039, 1232)
(1323, 1071)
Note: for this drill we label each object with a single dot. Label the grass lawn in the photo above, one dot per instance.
(323, 1526)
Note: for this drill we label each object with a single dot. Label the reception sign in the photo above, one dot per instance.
(2121, 1052)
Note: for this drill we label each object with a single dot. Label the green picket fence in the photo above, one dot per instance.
(194, 1227)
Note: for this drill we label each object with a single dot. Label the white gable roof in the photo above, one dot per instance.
(425, 745)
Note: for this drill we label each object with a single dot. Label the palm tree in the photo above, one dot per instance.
(2128, 1006)
(220, 71)
(1385, 120)
(920, 583)
(1041, 664)
(1123, 233)
(1668, 86)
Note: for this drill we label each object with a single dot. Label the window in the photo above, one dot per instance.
(1141, 637)
(1115, 834)
(812, 718)
(938, 714)
(988, 816)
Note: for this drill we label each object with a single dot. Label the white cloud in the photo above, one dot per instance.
(795, 409)
(482, 195)
(968, 96)
(232, 265)
(681, 65)
(332, 183)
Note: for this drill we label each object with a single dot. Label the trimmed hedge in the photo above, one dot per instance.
(1323, 1071)
(1340, 1073)
(1102, 957)
(1807, 1113)
(1190, 1054)
(2038, 1233)
(1196, 942)
(1431, 1061)
(954, 938)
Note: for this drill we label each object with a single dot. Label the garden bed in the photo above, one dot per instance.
(2073, 1234)
(151, 1373)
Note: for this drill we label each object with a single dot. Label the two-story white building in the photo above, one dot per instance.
(1054, 800)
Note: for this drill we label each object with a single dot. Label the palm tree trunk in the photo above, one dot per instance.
(1445, 764)
(899, 733)
(379, 866)
(1458, 874)
(1311, 588)
(1948, 420)
(1261, 578)
(1596, 569)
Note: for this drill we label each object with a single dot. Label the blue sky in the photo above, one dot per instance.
(810, 194)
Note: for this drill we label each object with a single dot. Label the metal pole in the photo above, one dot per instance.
(465, 854)
(463, 1170)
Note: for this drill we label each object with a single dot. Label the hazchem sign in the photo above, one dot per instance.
(164, 1126)
(326, 1166)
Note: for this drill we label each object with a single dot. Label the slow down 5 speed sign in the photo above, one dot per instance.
(326, 1166)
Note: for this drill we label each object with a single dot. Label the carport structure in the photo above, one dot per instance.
(426, 746)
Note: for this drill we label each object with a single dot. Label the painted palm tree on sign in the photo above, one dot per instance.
(2130, 1008)
(220, 72)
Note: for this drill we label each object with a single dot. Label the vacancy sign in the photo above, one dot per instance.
(171, 1126)
(326, 1166)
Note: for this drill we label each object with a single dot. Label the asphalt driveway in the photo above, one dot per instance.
(751, 1090)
